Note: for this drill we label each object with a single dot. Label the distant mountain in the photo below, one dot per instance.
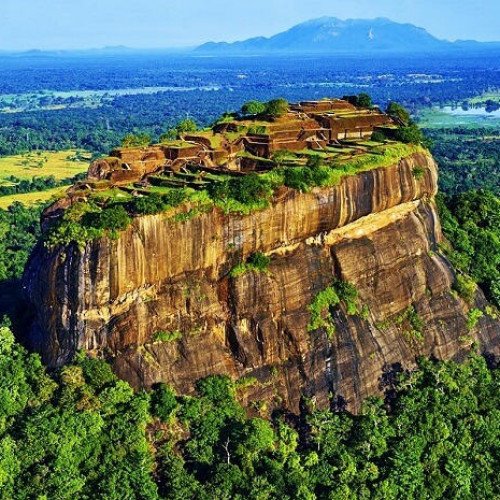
(119, 50)
(331, 35)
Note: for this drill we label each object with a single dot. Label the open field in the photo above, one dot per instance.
(31, 198)
(43, 164)
(487, 96)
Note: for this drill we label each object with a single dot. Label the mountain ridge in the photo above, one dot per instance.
(334, 35)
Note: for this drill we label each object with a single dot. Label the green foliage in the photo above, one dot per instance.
(35, 184)
(471, 223)
(163, 402)
(276, 108)
(247, 191)
(378, 136)
(79, 436)
(85, 434)
(473, 317)
(85, 221)
(408, 132)
(411, 134)
(257, 130)
(70, 228)
(164, 336)
(281, 156)
(365, 100)
(155, 203)
(226, 117)
(113, 218)
(186, 125)
(147, 205)
(183, 127)
(322, 307)
(257, 262)
(399, 113)
(303, 178)
(468, 158)
(19, 232)
(253, 108)
(188, 215)
(412, 324)
(246, 382)
(249, 188)
(362, 100)
(418, 173)
(348, 295)
(136, 141)
(465, 287)
(96, 373)
(492, 312)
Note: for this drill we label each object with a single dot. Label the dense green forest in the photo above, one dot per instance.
(468, 158)
(471, 223)
(82, 433)
(19, 232)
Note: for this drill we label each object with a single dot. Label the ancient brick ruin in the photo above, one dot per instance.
(243, 144)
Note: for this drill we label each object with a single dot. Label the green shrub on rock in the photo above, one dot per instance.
(321, 309)
(257, 262)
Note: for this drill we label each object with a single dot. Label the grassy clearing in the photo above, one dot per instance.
(386, 156)
(43, 164)
(29, 199)
(487, 96)
(113, 194)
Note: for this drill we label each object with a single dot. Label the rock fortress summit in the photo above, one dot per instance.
(296, 249)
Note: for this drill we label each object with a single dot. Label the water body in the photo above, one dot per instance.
(479, 112)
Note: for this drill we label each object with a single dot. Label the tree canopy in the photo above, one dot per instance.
(399, 113)
(274, 108)
(82, 433)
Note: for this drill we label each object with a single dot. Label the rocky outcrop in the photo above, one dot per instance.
(378, 230)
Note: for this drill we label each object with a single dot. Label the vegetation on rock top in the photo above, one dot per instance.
(242, 195)
(273, 109)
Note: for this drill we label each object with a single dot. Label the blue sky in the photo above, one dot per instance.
(65, 24)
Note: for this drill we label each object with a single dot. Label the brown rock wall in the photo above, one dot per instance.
(378, 230)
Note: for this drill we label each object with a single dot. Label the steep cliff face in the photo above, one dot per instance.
(377, 230)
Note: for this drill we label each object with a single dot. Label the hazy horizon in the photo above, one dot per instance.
(55, 25)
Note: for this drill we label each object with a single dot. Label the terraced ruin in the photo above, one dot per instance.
(332, 129)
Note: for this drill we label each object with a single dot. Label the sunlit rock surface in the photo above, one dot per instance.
(378, 230)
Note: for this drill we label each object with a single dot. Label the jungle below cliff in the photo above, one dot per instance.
(83, 433)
